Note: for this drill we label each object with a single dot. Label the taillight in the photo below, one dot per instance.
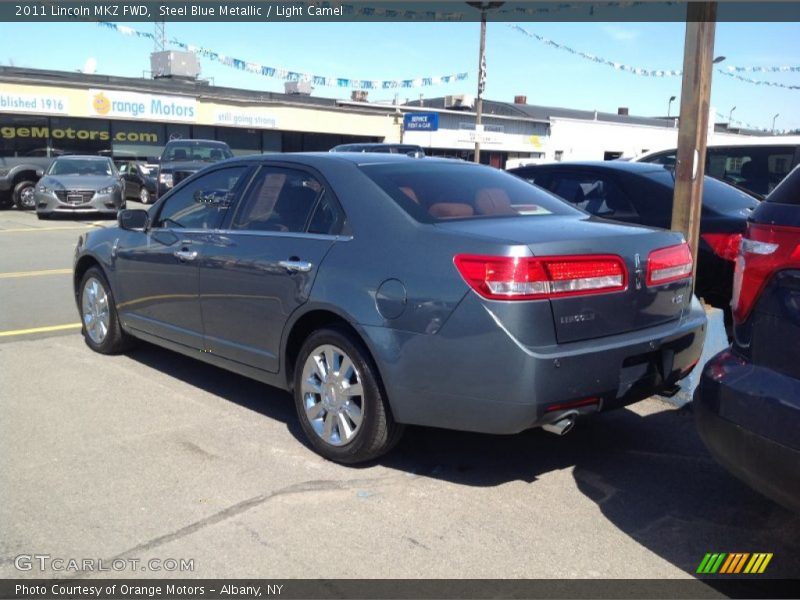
(724, 245)
(532, 278)
(764, 250)
(669, 264)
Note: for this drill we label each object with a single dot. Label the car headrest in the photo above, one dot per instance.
(215, 154)
(493, 201)
(180, 153)
(450, 210)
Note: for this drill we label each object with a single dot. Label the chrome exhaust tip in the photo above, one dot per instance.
(561, 427)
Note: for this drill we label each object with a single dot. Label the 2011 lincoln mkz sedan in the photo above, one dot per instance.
(383, 290)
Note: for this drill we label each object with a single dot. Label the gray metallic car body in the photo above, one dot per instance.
(76, 194)
(447, 357)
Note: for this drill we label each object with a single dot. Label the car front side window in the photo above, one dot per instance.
(201, 203)
(279, 199)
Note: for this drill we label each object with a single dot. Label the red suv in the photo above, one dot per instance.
(748, 400)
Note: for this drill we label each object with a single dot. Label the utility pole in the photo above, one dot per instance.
(698, 61)
(483, 7)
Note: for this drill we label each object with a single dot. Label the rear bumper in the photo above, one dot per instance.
(473, 375)
(752, 435)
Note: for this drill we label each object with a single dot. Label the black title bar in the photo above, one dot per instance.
(383, 11)
(394, 589)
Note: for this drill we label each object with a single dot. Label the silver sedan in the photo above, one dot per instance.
(78, 185)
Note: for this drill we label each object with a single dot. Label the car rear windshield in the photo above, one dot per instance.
(189, 151)
(718, 196)
(432, 191)
(788, 190)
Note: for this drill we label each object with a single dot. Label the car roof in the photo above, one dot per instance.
(82, 157)
(195, 141)
(605, 165)
(357, 158)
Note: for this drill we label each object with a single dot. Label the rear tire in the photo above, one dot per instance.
(101, 329)
(144, 196)
(340, 399)
(24, 195)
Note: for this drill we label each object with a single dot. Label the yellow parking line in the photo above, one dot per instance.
(14, 274)
(39, 329)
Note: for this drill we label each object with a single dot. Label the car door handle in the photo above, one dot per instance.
(185, 255)
(298, 266)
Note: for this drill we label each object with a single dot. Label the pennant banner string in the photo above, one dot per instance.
(730, 71)
(287, 75)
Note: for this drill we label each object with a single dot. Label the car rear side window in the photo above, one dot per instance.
(788, 191)
(278, 199)
(432, 191)
(201, 203)
(593, 193)
(756, 168)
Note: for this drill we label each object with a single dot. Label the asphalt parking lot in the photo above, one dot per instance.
(153, 455)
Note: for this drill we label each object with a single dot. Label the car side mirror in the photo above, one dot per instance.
(40, 173)
(133, 219)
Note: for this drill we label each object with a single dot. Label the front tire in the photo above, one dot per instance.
(340, 400)
(24, 198)
(101, 329)
(144, 196)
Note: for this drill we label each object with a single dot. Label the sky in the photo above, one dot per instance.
(516, 64)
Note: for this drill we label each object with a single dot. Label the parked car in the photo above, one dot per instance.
(79, 185)
(756, 165)
(747, 404)
(140, 182)
(182, 158)
(408, 149)
(384, 290)
(642, 193)
(18, 177)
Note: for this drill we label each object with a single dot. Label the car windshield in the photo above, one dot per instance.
(80, 166)
(432, 191)
(194, 151)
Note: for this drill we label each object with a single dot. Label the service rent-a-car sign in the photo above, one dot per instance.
(132, 105)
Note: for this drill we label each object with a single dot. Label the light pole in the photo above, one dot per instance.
(669, 105)
(483, 7)
(773, 121)
(730, 116)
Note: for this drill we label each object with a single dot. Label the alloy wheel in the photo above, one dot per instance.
(27, 198)
(95, 310)
(332, 395)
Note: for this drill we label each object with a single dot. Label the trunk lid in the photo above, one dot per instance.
(594, 315)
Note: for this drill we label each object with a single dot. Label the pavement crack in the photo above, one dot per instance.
(242, 507)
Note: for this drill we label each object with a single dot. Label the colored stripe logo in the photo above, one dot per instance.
(734, 563)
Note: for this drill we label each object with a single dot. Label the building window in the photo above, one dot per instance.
(241, 141)
(79, 136)
(24, 136)
(135, 140)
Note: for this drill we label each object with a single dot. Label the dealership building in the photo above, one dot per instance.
(48, 113)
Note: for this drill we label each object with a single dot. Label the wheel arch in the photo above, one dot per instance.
(310, 320)
(24, 175)
(85, 262)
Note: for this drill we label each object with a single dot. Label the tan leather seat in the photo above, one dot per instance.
(493, 201)
(410, 193)
(450, 210)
